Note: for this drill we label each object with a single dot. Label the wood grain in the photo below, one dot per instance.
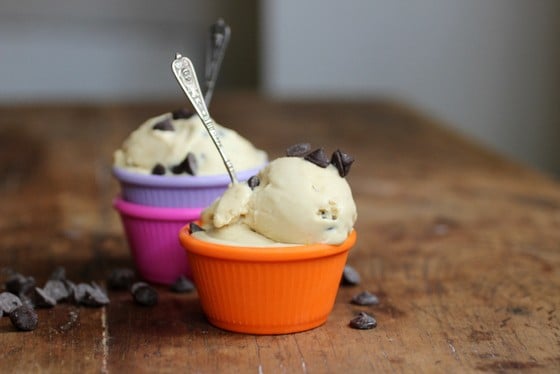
(461, 245)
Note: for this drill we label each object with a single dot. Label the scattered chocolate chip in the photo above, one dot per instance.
(350, 277)
(24, 318)
(72, 290)
(164, 125)
(158, 169)
(363, 321)
(193, 227)
(144, 294)
(19, 284)
(365, 298)
(253, 182)
(40, 299)
(8, 302)
(59, 273)
(57, 290)
(90, 295)
(189, 165)
(121, 279)
(298, 150)
(318, 157)
(182, 113)
(342, 161)
(182, 285)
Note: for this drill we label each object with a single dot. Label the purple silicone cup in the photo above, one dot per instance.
(174, 191)
(152, 234)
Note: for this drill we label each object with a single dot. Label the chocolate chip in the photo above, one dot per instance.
(363, 321)
(24, 318)
(121, 279)
(59, 273)
(253, 182)
(342, 161)
(72, 290)
(189, 165)
(19, 284)
(57, 290)
(318, 157)
(158, 169)
(90, 295)
(298, 150)
(193, 227)
(40, 299)
(350, 277)
(164, 125)
(182, 285)
(182, 113)
(144, 294)
(365, 298)
(8, 302)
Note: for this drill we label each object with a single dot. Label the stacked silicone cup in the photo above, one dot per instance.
(260, 290)
(154, 208)
(174, 191)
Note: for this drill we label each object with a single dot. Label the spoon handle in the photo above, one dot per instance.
(217, 43)
(186, 76)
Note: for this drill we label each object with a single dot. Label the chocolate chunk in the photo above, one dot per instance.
(298, 150)
(193, 227)
(164, 125)
(57, 290)
(90, 295)
(72, 290)
(144, 294)
(158, 169)
(24, 318)
(59, 273)
(365, 298)
(189, 165)
(342, 161)
(363, 321)
(318, 157)
(182, 113)
(121, 279)
(253, 182)
(8, 302)
(350, 277)
(19, 284)
(40, 299)
(182, 285)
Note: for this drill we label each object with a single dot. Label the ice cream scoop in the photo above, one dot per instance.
(175, 144)
(292, 200)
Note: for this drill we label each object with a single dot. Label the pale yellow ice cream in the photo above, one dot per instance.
(295, 202)
(161, 144)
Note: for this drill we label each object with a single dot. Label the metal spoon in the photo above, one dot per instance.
(186, 76)
(215, 51)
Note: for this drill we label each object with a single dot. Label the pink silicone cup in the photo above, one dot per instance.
(152, 238)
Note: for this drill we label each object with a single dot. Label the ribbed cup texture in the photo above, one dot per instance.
(152, 238)
(267, 297)
(186, 197)
(174, 191)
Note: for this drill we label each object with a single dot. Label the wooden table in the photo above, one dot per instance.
(461, 245)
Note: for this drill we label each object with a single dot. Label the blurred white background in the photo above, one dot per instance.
(490, 69)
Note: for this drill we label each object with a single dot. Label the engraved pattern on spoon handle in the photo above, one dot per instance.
(185, 74)
(218, 41)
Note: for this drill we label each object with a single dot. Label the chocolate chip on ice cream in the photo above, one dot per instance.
(318, 157)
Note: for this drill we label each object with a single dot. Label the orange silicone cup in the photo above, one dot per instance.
(275, 290)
